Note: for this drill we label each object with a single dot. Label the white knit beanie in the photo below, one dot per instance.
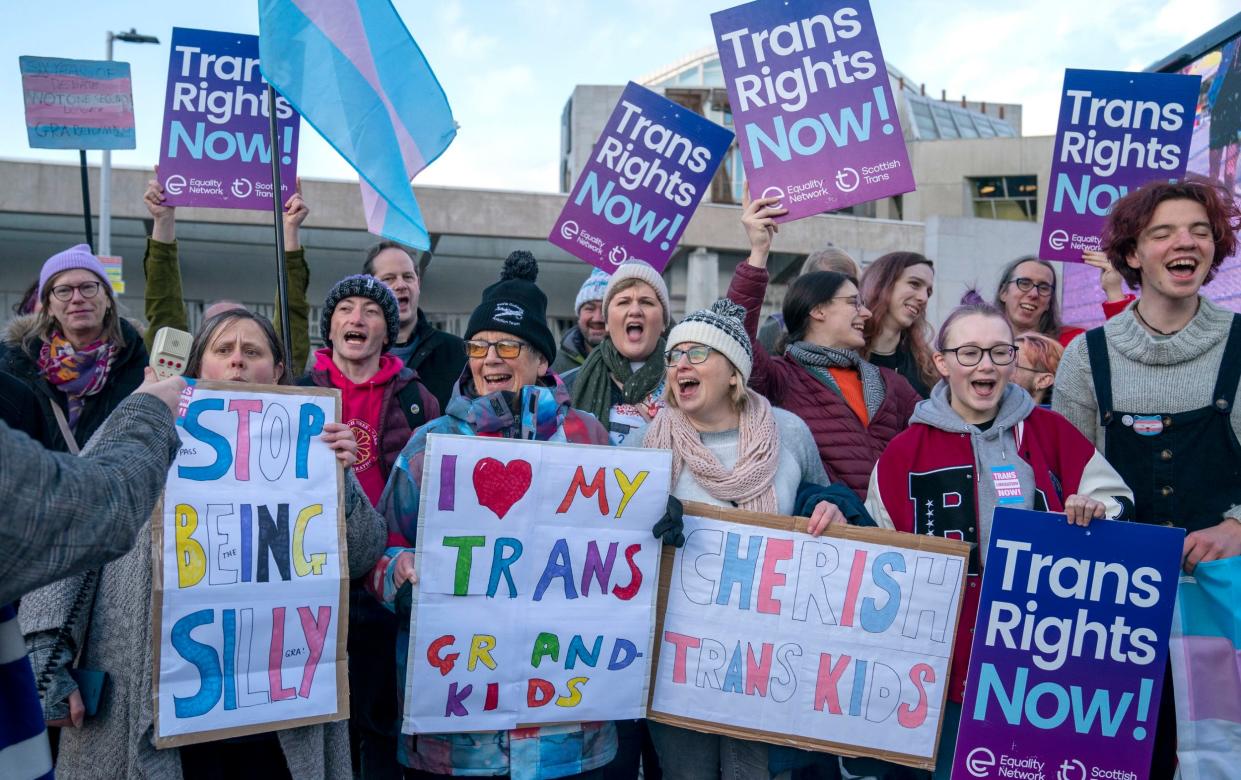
(642, 271)
(722, 327)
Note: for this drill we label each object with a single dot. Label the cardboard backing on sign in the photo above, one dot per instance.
(342, 634)
(799, 525)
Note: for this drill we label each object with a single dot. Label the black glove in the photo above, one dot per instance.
(671, 527)
(405, 600)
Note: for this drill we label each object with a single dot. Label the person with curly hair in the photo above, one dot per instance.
(1156, 387)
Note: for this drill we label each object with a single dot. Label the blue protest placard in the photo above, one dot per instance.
(817, 123)
(1069, 649)
(1117, 131)
(216, 150)
(651, 166)
(77, 104)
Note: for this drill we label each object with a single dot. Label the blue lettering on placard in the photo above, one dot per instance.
(309, 426)
(618, 209)
(217, 442)
(1084, 197)
(204, 658)
(808, 135)
(1016, 701)
(220, 144)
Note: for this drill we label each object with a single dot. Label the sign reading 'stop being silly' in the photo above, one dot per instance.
(814, 112)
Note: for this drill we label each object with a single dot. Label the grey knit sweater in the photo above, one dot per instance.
(117, 743)
(1150, 374)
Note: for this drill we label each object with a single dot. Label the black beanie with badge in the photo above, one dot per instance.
(363, 286)
(516, 305)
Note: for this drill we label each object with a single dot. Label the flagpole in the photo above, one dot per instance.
(90, 238)
(277, 204)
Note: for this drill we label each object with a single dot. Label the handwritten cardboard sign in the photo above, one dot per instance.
(77, 104)
(537, 582)
(251, 575)
(840, 643)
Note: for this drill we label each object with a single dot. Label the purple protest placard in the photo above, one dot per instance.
(1069, 649)
(215, 150)
(816, 121)
(651, 166)
(77, 104)
(1117, 131)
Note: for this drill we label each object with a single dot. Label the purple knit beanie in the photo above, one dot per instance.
(72, 258)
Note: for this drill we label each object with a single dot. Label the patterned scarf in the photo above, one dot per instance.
(592, 392)
(76, 372)
(751, 484)
(818, 359)
(536, 413)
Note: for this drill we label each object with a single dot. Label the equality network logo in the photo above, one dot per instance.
(980, 762)
(1057, 239)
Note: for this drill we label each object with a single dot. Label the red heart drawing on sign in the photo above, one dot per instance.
(499, 486)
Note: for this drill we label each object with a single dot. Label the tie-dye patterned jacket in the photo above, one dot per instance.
(524, 754)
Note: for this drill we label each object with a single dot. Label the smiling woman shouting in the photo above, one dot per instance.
(622, 382)
(853, 408)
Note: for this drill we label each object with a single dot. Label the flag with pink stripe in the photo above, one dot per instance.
(355, 73)
(77, 104)
(1206, 670)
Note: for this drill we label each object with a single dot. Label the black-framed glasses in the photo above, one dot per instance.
(696, 354)
(64, 292)
(1032, 369)
(1026, 285)
(970, 355)
(853, 300)
(505, 348)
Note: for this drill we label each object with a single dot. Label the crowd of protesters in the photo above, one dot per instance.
(824, 411)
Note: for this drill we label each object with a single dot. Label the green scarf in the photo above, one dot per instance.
(592, 391)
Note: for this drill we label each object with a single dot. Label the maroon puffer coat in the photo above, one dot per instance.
(848, 448)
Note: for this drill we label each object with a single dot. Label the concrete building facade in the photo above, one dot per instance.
(967, 157)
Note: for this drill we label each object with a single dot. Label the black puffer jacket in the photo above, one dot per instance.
(19, 356)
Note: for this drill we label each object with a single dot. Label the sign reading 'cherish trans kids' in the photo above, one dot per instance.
(815, 116)
(250, 570)
(1069, 649)
(216, 149)
(537, 582)
(838, 643)
(1117, 132)
(651, 166)
(77, 104)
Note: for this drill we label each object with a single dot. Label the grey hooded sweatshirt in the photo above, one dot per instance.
(996, 446)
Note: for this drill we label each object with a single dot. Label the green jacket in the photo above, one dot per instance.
(165, 304)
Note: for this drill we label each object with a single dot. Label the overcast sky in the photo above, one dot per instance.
(508, 66)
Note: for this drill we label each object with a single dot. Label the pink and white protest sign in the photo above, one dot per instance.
(1117, 132)
(77, 104)
(815, 116)
(216, 149)
(648, 171)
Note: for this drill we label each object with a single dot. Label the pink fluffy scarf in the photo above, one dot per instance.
(750, 485)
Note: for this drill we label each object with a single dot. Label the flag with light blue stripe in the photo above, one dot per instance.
(354, 72)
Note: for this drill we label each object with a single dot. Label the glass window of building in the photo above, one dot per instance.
(1005, 197)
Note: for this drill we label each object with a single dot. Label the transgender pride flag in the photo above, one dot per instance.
(357, 76)
(1206, 671)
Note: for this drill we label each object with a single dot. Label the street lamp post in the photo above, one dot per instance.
(105, 166)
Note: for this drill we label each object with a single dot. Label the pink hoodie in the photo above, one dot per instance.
(362, 409)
